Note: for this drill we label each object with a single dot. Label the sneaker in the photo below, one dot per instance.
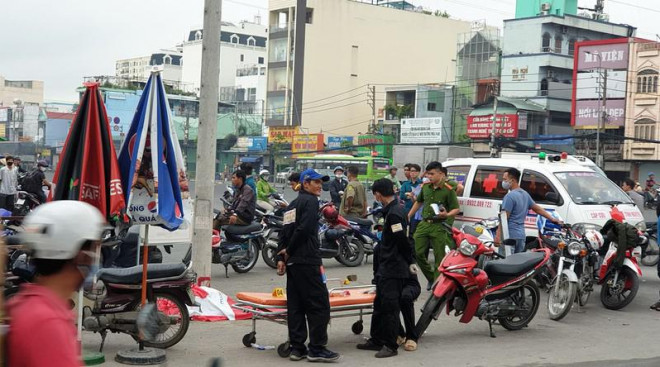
(297, 355)
(323, 355)
(369, 345)
(429, 285)
(399, 340)
(410, 345)
(386, 353)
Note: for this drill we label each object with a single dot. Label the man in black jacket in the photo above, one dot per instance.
(395, 264)
(243, 204)
(307, 296)
(337, 186)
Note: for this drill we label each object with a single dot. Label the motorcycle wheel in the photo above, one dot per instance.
(269, 253)
(652, 248)
(619, 295)
(179, 321)
(351, 253)
(527, 299)
(245, 265)
(561, 297)
(431, 307)
(583, 293)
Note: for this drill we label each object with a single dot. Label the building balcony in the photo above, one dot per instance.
(279, 32)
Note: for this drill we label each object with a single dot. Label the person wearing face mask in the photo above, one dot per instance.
(64, 240)
(8, 184)
(517, 203)
(337, 186)
(34, 182)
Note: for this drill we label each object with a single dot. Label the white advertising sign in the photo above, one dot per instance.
(4, 116)
(589, 84)
(422, 130)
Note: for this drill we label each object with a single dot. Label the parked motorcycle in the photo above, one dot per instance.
(652, 197)
(503, 290)
(237, 246)
(365, 232)
(576, 258)
(117, 292)
(619, 286)
(337, 239)
(24, 203)
(651, 253)
(273, 225)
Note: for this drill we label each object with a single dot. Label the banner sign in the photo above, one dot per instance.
(307, 142)
(480, 127)
(282, 134)
(421, 130)
(257, 144)
(339, 141)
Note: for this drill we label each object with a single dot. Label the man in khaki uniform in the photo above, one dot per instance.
(354, 201)
(431, 228)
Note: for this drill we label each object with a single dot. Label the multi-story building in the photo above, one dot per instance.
(241, 46)
(138, 69)
(26, 91)
(642, 108)
(537, 56)
(21, 115)
(324, 57)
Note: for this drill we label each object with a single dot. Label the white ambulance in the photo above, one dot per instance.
(575, 191)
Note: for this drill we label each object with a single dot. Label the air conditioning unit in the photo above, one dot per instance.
(551, 74)
(604, 17)
(564, 29)
(546, 6)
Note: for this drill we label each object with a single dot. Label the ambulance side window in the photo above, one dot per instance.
(458, 174)
(537, 185)
(488, 183)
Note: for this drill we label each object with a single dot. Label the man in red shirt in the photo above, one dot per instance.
(63, 237)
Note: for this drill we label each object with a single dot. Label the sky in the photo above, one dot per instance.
(60, 42)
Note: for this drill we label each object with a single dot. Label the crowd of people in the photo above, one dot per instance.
(14, 177)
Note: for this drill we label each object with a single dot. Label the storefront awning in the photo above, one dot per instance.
(506, 106)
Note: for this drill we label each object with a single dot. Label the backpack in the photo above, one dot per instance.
(31, 181)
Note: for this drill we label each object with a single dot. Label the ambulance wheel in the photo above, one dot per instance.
(249, 339)
(357, 327)
(284, 350)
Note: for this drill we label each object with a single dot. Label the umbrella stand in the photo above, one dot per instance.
(142, 355)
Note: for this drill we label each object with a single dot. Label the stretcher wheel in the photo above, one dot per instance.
(249, 339)
(284, 350)
(357, 327)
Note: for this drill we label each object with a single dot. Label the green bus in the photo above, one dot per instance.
(369, 168)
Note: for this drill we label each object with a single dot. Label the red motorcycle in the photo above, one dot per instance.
(472, 285)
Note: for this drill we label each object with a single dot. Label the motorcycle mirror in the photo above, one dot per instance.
(352, 277)
(147, 322)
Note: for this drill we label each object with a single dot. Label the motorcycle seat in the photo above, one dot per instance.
(236, 230)
(360, 221)
(514, 265)
(133, 275)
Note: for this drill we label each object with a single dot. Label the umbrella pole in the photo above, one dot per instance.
(145, 264)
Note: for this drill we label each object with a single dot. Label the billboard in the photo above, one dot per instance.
(422, 131)
(594, 60)
(282, 134)
(4, 114)
(336, 142)
(257, 144)
(307, 143)
(370, 143)
(586, 113)
(480, 127)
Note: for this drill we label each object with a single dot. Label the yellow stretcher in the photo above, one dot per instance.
(347, 301)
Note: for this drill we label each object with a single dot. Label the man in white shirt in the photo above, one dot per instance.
(8, 184)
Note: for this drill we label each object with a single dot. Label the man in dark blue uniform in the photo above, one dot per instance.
(308, 303)
(395, 264)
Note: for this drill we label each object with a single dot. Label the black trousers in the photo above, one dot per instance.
(385, 322)
(307, 305)
(411, 290)
(7, 202)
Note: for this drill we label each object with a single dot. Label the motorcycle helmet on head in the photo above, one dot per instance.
(264, 172)
(42, 163)
(58, 230)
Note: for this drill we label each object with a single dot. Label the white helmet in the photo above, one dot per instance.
(57, 230)
(594, 238)
(264, 172)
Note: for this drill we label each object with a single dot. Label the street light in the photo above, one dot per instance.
(601, 103)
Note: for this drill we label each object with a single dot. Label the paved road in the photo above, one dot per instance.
(593, 337)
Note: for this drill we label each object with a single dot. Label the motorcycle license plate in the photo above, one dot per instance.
(20, 201)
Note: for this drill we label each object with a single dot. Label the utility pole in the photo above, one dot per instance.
(602, 96)
(493, 149)
(371, 100)
(206, 142)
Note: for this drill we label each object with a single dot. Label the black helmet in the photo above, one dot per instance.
(42, 163)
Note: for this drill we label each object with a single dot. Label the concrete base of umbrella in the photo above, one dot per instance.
(141, 356)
